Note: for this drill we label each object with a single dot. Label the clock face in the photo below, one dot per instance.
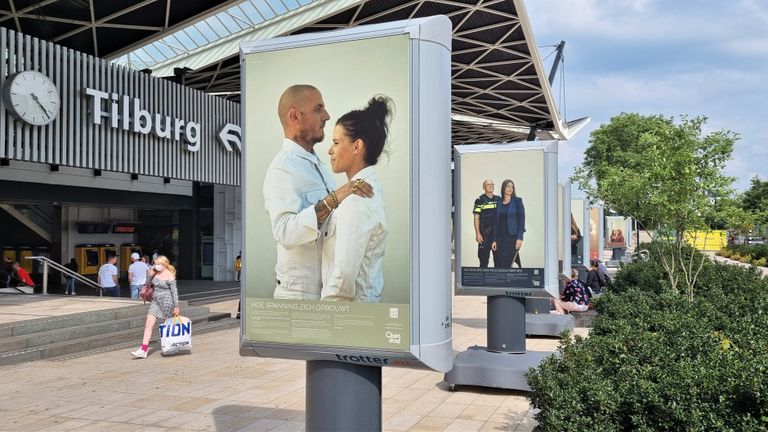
(31, 97)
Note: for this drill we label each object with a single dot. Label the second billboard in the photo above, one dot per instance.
(506, 219)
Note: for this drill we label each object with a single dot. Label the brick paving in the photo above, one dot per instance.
(214, 389)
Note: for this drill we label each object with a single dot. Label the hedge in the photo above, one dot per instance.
(748, 254)
(655, 361)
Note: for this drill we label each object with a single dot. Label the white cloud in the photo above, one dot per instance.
(656, 21)
(746, 47)
(683, 57)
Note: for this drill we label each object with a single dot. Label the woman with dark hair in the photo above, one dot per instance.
(594, 278)
(510, 227)
(353, 247)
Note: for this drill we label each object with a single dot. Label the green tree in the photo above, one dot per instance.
(666, 174)
(755, 200)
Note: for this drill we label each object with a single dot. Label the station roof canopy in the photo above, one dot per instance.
(499, 86)
(105, 28)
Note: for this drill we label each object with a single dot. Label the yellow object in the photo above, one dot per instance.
(103, 250)
(87, 257)
(10, 254)
(238, 264)
(125, 255)
(706, 240)
(25, 263)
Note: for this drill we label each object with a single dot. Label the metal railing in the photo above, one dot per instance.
(47, 262)
(8, 278)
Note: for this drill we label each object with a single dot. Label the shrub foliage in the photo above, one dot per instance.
(655, 361)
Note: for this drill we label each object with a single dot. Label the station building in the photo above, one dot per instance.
(132, 139)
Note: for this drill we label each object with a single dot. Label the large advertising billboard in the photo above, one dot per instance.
(618, 231)
(506, 219)
(564, 231)
(578, 239)
(333, 195)
(596, 233)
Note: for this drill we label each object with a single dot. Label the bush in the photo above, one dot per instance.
(762, 262)
(655, 361)
(736, 257)
(746, 259)
(725, 253)
(757, 251)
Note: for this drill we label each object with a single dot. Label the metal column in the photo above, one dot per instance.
(342, 397)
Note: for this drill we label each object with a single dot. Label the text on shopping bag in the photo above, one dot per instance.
(175, 329)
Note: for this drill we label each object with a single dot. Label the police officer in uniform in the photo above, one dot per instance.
(485, 217)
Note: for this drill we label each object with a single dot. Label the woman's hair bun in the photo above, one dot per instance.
(379, 107)
(370, 124)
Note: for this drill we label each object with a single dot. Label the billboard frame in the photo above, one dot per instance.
(551, 280)
(430, 321)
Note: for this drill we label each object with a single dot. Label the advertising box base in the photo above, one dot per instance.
(547, 324)
(479, 367)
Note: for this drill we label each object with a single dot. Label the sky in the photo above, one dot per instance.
(700, 58)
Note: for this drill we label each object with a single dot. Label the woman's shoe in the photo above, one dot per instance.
(139, 353)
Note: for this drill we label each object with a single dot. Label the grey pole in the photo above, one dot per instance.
(45, 278)
(506, 324)
(342, 397)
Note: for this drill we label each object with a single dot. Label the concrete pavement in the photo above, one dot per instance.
(214, 389)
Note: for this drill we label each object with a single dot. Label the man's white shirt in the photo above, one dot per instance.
(139, 272)
(295, 181)
(353, 249)
(105, 275)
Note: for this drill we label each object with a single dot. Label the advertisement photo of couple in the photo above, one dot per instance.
(499, 223)
(327, 169)
(330, 241)
(502, 228)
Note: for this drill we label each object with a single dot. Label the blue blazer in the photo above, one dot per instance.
(515, 218)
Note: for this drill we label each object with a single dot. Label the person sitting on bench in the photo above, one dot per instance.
(575, 297)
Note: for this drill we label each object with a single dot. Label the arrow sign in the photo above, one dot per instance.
(230, 134)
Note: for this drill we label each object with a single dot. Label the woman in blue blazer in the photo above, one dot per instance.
(510, 227)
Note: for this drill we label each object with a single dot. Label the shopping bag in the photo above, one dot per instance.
(176, 335)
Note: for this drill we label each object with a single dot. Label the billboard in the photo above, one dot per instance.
(618, 231)
(579, 242)
(595, 233)
(506, 219)
(331, 272)
(564, 231)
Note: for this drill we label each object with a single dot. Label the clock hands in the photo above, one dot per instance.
(36, 99)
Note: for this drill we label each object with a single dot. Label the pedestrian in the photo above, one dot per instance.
(108, 276)
(7, 272)
(238, 265)
(137, 274)
(22, 275)
(165, 300)
(70, 287)
(238, 269)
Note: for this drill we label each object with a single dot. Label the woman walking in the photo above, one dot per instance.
(165, 300)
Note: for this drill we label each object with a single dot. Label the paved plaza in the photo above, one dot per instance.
(214, 389)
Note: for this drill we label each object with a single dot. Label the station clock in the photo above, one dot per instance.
(31, 97)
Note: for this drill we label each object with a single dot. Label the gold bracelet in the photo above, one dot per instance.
(327, 206)
(335, 200)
